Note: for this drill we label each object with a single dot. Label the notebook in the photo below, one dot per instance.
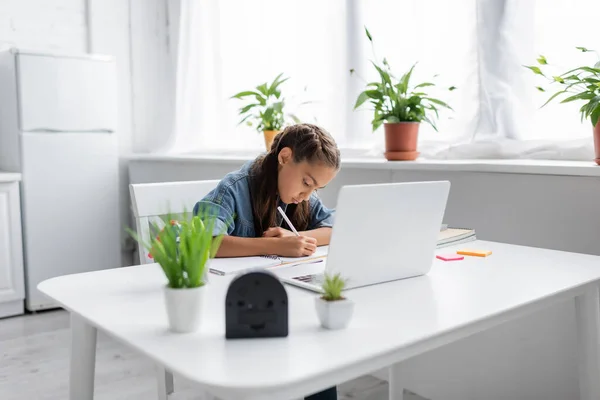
(234, 265)
(452, 236)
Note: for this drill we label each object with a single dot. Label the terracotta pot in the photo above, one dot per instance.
(597, 141)
(269, 136)
(401, 141)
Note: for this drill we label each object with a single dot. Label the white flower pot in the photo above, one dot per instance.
(334, 314)
(184, 308)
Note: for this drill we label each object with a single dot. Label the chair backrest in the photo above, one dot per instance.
(151, 201)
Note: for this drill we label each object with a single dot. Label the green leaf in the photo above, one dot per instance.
(451, 88)
(558, 79)
(583, 49)
(263, 89)
(385, 76)
(374, 94)
(553, 97)
(425, 84)
(404, 81)
(261, 100)
(536, 70)
(376, 123)
(276, 84)
(541, 89)
(392, 119)
(361, 99)
(247, 108)
(595, 115)
(439, 102)
(580, 96)
(245, 118)
(368, 34)
(542, 60)
(244, 94)
(591, 70)
(277, 107)
(430, 122)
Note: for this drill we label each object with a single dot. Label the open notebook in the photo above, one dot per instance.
(234, 265)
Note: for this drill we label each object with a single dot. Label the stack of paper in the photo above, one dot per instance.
(453, 236)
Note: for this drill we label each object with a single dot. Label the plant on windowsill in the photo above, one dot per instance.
(265, 111)
(578, 84)
(183, 250)
(333, 309)
(400, 107)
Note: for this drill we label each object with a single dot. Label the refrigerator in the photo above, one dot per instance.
(58, 118)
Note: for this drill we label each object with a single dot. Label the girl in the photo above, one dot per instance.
(303, 158)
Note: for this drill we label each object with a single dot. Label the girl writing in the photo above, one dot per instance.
(303, 158)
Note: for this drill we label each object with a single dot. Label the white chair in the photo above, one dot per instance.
(150, 202)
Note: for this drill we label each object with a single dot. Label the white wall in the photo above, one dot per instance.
(529, 359)
(58, 25)
(109, 33)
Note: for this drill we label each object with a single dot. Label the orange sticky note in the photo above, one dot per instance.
(474, 253)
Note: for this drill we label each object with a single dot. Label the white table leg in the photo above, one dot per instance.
(164, 379)
(395, 382)
(83, 359)
(587, 308)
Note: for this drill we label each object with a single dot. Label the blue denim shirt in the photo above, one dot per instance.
(231, 197)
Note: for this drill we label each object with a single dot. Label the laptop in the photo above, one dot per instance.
(381, 233)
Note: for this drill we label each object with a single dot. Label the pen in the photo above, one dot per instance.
(287, 220)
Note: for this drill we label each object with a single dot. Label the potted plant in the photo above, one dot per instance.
(334, 310)
(265, 109)
(183, 250)
(400, 107)
(582, 84)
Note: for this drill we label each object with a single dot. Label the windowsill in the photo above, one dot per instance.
(508, 166)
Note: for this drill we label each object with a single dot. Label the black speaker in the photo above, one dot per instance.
(256, 306)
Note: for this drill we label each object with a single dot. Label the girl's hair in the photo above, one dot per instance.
(308, 143)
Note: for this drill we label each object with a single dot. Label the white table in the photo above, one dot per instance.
(392, 322)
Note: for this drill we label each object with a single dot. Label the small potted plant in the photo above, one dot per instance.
(578, 84)
(334, 310)
(400, 108)
(265, 109)
(183, 250)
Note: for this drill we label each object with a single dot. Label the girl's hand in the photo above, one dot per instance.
(277, 232)
(296, 246)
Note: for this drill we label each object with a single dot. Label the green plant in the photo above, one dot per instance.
(183, 248)
(394, 100)
(333, 285)
(581, 83)
(265, 110)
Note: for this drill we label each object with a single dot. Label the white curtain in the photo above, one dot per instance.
(479, 46)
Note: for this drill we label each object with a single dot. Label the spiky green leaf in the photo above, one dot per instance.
(368, 34)
(536, 70)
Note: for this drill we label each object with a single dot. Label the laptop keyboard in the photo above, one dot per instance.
(313, 279)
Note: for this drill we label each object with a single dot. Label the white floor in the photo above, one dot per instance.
(35, 355)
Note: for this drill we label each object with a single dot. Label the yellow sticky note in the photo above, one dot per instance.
(475, 253)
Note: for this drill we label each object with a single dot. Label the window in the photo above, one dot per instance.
(479, 46)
